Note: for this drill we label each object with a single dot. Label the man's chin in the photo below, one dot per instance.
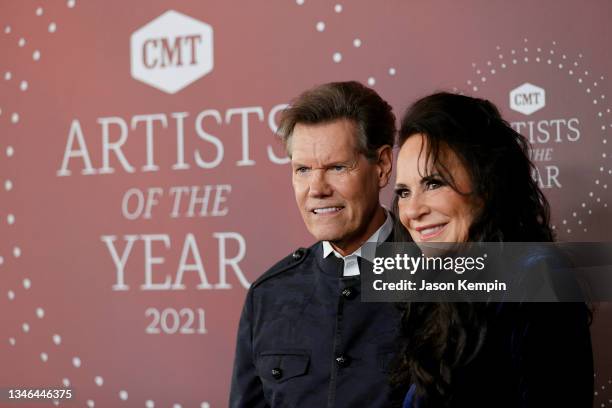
(325, 235)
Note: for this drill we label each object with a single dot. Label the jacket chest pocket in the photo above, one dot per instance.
(278, 366)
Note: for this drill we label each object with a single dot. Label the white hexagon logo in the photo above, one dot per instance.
(527, 98)
(171, 52)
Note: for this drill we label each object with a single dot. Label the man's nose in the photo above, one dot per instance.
(318, 184)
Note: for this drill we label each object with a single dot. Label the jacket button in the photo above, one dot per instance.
(277, 373)
(343, 361)
(348, 293)
(298, 253)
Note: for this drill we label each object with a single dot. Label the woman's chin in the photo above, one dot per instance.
(435, 248)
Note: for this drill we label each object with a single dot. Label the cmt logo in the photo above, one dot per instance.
(171, 52)
(527, 98)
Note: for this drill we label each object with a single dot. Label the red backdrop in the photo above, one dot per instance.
(142, 187)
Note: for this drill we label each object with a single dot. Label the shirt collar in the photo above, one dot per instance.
(380, 235)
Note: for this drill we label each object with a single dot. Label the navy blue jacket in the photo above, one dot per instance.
(534, 355)
(306, 340)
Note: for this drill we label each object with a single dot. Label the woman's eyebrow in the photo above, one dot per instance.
(430, 176)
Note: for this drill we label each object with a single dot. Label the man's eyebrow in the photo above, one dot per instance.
(340, 162)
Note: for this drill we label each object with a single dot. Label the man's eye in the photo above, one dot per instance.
(301, 170)
(338, 168)
(402, 192)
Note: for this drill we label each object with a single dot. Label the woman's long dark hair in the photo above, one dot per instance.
(439, 338)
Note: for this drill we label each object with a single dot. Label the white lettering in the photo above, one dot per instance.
(75, 133)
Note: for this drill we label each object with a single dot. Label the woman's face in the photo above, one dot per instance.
(430, 209)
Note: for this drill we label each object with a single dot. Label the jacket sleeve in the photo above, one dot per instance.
(555, 356)
(247, 390)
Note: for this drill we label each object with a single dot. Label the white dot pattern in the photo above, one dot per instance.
(561, 62)
(76, 362)
(24, 85)
(337, 57)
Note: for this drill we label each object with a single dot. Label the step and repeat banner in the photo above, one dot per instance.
(142, 188)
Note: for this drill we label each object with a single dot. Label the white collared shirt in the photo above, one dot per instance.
(351, 267)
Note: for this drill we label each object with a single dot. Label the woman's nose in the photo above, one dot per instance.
(412, 208)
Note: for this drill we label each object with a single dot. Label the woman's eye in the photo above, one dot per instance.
(402, 192)
(434, 184)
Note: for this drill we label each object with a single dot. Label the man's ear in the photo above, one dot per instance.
(384, 164)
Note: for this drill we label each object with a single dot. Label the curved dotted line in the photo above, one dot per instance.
(599, 390)
(551, 57)
(36, 54)
(8, 186)
(337, 56)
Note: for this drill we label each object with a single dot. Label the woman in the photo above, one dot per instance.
(463, 175)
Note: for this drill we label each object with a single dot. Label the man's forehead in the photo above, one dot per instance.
(329, 140)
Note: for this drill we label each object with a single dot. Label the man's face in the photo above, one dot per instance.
(336, 187)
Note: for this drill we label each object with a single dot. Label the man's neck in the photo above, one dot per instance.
(347, 248)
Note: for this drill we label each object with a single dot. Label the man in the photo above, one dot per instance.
(305, 338)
